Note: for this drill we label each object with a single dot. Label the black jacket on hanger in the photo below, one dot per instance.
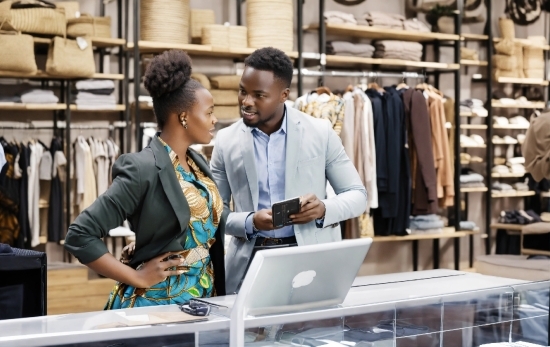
(56, 231)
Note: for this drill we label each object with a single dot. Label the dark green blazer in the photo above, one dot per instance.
(145, 191)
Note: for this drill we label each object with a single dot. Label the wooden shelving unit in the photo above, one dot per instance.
(375, 33)
(32, 107)
(529, 81)
(117, 108)
(196, 50)
(531, 105)
(98, 42)
(507, 175)
(478, 146)
(467, 62)
(474, 190)
(511, 127)
(44, 75)
(345, 61)
(473, 126)
(448, 232)
(514, 194)
(473, 37)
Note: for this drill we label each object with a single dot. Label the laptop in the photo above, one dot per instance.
(301, 278)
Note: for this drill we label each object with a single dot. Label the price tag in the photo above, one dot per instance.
(82, 43)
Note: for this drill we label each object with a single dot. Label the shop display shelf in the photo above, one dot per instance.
(514, 194)
(473, 126)
(346, 61)
(526, 42)
(197, 50)
(466, 62)
(117, 108)
(98, 42)
(531, 105)
(469, 114)
(32, 107)
(507, 175)
(511, 127)
(474, 190)
(473, 37)
(512, 80)
(476, 146)
(448, 232)
(43, 75)
(375, 33)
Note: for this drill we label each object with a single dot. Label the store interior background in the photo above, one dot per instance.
(385, 257)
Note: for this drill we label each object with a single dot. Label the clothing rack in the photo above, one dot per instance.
(365, 74)
(62, 125)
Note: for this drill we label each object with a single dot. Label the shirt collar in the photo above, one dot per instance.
(282, 129)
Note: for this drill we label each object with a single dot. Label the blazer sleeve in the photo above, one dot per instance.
(109, 211)
(235, 224)
(351, 198)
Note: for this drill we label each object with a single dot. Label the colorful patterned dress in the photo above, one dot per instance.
(206, 207)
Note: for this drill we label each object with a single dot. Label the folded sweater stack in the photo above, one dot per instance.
(344, 48)
(389, 49)
(39, 96)
(95, 94)
(426, 224)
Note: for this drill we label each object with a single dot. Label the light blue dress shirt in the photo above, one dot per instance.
(270, 155)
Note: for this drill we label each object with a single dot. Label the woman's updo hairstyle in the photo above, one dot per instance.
(168, 81)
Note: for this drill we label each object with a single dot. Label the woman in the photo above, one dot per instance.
(169, 197)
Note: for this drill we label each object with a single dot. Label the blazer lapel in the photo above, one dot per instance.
(293, 143)
(170, 183)
(249, 162)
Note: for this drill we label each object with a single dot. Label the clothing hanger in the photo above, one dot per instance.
(349, 88)
(402, 85)
(374, 85)
(323, 90)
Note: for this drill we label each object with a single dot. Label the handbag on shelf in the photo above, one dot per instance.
(87, 25)
(37, 17)
(16, 52)
(70, 58)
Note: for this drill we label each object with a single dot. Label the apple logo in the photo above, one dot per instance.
(303, 279)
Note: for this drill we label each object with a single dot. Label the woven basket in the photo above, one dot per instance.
(238, 36)
(87, 25)
(505, 73)
(66, 59)
(17, 53)
(227, 112)
(216, 35)
(263, 17)
(533, 58)
(45, 21)
(200, 18)
(71, 8)
(506, 47)
(225, 97)
(227, 82)
(534, 73)
(165, 21)
(202, 79)
(505, 62)
(519, 58)
(507, 28)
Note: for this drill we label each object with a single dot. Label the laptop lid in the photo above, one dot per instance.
(301, 278)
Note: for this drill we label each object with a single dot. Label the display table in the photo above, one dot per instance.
(427, 308)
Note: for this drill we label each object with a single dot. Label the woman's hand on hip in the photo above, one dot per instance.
(156, 270)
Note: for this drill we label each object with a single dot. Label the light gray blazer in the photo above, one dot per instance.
(314, 153)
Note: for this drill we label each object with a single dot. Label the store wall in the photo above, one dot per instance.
(383, 257)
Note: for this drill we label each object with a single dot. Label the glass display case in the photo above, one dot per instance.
(450, 309)
(426, 308)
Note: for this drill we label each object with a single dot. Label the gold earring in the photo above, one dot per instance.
(184, 123)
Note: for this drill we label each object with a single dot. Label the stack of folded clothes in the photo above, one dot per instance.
(384, 20)
(503, 187)
(466, 158)
(338, 17)
(39, 96)
(519, 217)
(475, 106)
(363, 50)
(430, 223)
(468, 225)
(95, 94)
(390, 49)
(470, 179)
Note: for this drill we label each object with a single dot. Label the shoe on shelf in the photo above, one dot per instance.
(509, 140)
(519, 120)
(501, 121)
(478, 139)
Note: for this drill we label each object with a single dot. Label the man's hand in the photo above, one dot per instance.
(263, 220)
(311, 209)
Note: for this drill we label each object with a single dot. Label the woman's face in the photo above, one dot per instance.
(201, 119)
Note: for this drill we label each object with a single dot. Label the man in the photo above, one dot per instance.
(276, 153)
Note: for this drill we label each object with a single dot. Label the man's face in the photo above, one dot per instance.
(260, 96)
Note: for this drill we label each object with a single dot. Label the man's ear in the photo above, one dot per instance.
(284, 95)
